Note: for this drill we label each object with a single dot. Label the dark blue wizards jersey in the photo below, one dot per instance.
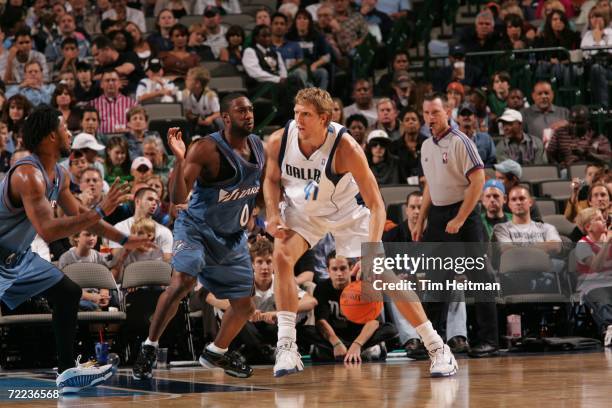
(226, 206)
(16, 230)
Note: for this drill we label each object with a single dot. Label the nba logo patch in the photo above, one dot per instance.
(444, 157)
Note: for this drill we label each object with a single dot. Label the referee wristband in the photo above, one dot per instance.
(100, 211)
(124, 240)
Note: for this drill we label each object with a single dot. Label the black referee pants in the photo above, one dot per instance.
(470, 233)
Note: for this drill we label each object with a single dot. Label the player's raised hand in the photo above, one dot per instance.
(118, 193)
(135, 242)
(175, 141)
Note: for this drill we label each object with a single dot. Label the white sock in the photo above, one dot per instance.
(286, 327)
(431, 338)
(218, 350)
(151, 343)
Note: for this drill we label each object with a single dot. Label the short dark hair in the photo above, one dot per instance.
(43, 120)
(82, 66)
(68, 41)
(262, 247)
(102, 42)
(180, 28)
(432, 96)
(227, 100)
(334, 255)
(413, 194)
(89, 108)
(258, 29)
(23, 32)
(141, 192)
(519, 186)
(408, 110)
(356, 117)
(107, 70)
(513, 20)
(281, 15)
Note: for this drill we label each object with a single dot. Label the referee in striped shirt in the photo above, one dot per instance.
(455, 177)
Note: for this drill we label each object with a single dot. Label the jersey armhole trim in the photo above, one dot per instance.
(334, 178)
(283, 146)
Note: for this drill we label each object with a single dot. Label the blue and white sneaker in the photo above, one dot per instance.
(288, 360)
(82, 376)
(443, 363)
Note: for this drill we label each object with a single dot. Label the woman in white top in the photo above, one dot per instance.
(599, 35)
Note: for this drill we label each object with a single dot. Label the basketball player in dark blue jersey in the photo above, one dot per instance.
(31, 190)
(223, 172)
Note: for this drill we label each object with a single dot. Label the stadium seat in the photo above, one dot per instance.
(397, 193)
(225, 85)
(577, 170)
(237, 19)
(163, 110)
(536, 174)
(546, 206)
(146, 273)
(557, 190)
(220, 69)
(563, 226)
(520, 262)
(92, 275)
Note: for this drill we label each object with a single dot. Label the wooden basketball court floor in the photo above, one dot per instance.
(563, 380)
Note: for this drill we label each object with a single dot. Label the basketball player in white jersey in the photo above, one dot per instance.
(315, 172)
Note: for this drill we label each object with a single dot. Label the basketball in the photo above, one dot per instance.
(355, 307)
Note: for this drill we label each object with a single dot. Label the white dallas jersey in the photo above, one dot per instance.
(309, 184)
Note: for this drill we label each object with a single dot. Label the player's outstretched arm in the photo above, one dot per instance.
(28, 186)
(272, 186)
(351, 158)
(187, 167)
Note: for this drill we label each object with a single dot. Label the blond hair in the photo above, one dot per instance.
(200, 74)
(317, 97)
(585, 217)
(146, 225)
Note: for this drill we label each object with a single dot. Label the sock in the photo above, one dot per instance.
(217, 350)
(151, 343)
(286, 327)
(431, 338)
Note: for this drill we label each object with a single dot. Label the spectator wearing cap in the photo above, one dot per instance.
(227, 6)
(112, 105)
(387, 118)
(155, 87)
(459, 70)
(399, 62)
(141, 170)
(126, 64)
(87, 144)
(466, 118)
(383, 164)
(121, 12)
(33, 86)
(516, 144)
(215, 32)
(363, 96)
(493, 200)
(403, 89)
(509, 173)
(408, 147)
(542, 114)
(576, 141)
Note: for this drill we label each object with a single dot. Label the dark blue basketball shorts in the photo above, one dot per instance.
(221, 264)
(29, 277)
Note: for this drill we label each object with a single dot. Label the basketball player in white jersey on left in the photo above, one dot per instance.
(315, 171)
